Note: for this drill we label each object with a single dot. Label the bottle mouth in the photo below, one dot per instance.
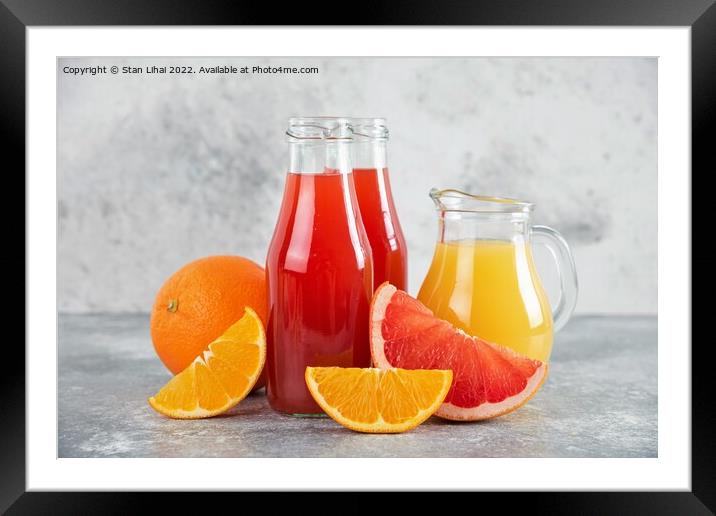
(370, 128)
(317, 128)
(457, 200)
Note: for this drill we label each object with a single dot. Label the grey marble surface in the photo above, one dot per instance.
(155, 170)
(599, 401)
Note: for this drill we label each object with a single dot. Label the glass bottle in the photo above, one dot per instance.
(319, 269)
(375, 198)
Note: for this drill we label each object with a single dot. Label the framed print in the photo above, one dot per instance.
(420, 251)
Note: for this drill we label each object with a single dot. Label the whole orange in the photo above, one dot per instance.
(200, 301)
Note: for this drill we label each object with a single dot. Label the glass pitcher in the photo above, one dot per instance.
(483, 278)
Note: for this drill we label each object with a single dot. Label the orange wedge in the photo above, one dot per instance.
(376, 400)
(220, 377)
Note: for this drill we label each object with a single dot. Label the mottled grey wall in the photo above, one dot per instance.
(156, 170)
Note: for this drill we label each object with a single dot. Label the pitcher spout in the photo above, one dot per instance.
(456, 200)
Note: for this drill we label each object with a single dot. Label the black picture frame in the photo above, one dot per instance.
(17, 15)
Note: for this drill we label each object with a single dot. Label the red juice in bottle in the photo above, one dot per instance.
(375, 199)
(318, 268)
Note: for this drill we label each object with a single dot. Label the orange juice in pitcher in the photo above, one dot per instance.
(483, 278)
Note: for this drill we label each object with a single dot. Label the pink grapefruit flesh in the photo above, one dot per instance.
(488, 380)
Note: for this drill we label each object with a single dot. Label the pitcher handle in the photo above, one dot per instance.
(566, 269)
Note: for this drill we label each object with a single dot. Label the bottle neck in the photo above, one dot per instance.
(307, 157)
(467, 226)
(369, 153)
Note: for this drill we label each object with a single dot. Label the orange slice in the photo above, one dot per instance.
(220, 377)
(375, 400)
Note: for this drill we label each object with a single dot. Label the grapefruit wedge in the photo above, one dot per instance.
(488, 380)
